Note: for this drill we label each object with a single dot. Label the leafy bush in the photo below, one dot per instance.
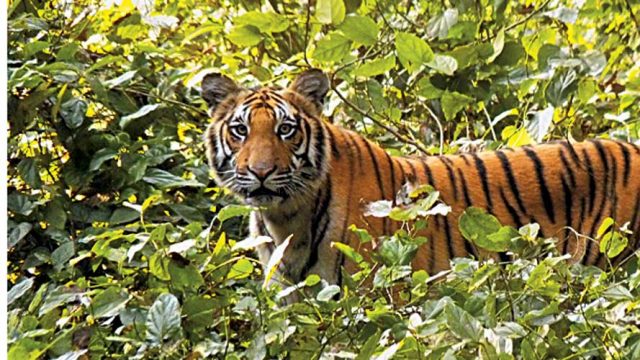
(120, 246)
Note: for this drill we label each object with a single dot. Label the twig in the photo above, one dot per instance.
(437, 120)
(524, 20)
(174, 102)
(378, 122)
(633, 16)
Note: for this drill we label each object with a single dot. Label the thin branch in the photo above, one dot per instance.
(437, 120)
(174, 102)
(524, 20)
(633, 16)
(401, 137)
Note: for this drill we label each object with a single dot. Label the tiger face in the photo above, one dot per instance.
(267, 145)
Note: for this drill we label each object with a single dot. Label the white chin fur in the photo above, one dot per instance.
(264, 200)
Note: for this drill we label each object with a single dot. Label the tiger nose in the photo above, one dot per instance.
(262, 170)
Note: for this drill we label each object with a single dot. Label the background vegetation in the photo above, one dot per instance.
(120, 246)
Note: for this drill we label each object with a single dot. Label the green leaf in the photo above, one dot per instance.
(62, 255)
(444, 64)
(328, 293)
(199, 311)
(111, 83)
(18, 290)
(563, 84)
(28, 169)
(476, 226)
(126, 120)
(439, 25)
(360, 29)
(185, 277)
(369, 347)
(453, 103)
(163, 320)
(159, 266)
(101, 156)
(18, 233)
(612, 243)
(35, 47)
(233, 210)
(538, 127)
(412, 51)
(244, 35)
(265, 22)
(330, 11)
(73, 111)
(332, 48)
(109, 302)
(25, 348)
(59, 296)
(395, 252)
(123, 215)
(165, 179)
(241, 269)
(375, 67)
(502, 239)
(348, 251)
(462, 324)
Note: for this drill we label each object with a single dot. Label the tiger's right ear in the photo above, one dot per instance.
(216, 88)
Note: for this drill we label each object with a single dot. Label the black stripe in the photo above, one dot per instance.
(307, 129)
(452, 178)
(376, 168)
(319, 143)
(627, 161)
(464, 158)
(513, 184)
(572, 151)
(393, 176)
(428, 173)
(482, 172)
(354, 141)
(546, 196)
(321, 216)
(567, 167)
(512, 211)
(592, 180)
(414, 175)
(600, 213)
(568, 206)
(332, 140)
(465, 189)
(632, 224)
(447, 229)
(402, 173)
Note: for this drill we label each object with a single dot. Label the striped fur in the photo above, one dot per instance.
(323, 175)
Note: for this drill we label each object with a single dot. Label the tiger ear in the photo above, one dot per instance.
(216, 88)
(312, 84)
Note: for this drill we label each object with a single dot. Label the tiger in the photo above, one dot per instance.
(311, 179)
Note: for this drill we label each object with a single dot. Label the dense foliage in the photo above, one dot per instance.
(120, 246)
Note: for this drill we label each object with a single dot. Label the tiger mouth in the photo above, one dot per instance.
(263, 192)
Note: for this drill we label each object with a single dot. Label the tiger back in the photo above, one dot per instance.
(312, 179)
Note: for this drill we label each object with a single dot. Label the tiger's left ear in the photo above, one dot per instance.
(312, 84)
(216, 88)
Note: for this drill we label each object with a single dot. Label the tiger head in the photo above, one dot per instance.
(267, 145)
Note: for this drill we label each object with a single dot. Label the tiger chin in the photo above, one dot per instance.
(311, 179)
